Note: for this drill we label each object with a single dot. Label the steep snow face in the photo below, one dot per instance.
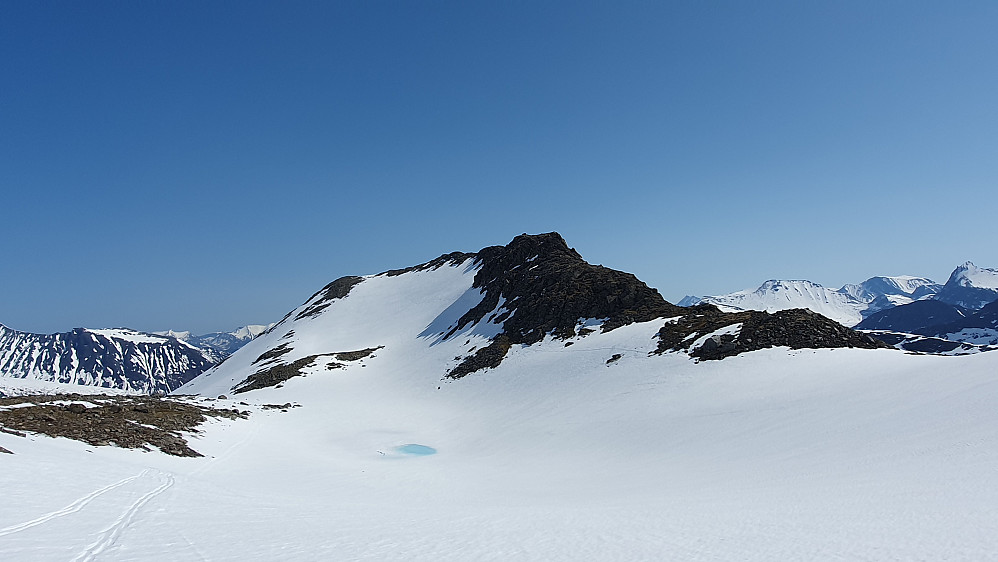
(401, 315)
(115, 358)
(897, 286)
(775, 295)
(970, 286)
(969, 275)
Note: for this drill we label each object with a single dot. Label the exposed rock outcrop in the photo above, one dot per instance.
(125, 421)
(750, 331)
(539, 286)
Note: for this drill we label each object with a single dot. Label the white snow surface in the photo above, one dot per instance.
(554, 455)
(129, 335)
(10, 386)
(775, 295)
(251, 331)
(969, 275)
(888, 285)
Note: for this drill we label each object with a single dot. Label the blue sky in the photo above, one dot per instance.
(205, 165)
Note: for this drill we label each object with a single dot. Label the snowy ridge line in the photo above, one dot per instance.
(99, 358)
(110, 535)
(71, 508)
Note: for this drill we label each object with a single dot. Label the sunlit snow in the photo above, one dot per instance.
(554, 455)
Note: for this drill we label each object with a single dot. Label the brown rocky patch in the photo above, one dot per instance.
(125, 421)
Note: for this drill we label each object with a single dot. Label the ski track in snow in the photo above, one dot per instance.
(71, 508)
(111, 535)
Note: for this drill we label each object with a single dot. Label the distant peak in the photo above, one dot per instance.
(778, 283)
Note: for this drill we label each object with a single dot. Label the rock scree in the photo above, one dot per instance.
(126, 421)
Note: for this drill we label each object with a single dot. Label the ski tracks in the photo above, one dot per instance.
(110, 535)
(71, 508)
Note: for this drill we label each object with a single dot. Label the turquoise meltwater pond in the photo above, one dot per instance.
(415, 449)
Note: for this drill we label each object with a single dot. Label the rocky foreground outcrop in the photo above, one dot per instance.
(131, 422)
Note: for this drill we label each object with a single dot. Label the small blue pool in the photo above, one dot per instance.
(415, 449)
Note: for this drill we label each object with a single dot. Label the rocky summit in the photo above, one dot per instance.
(484, 306)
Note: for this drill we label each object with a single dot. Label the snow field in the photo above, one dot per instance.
(554, 455)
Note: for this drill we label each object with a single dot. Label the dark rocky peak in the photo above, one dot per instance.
(537, 285)
(545, 287)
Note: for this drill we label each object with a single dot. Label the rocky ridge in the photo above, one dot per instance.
(706, 333)
(123, 359)
(537, 286)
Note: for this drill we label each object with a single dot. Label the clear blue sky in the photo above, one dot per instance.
(203, 165)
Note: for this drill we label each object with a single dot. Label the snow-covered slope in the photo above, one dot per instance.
(114, 358)
(553, 455)
(970, 286)
(396, 312)
(774, 295)
(463, 313)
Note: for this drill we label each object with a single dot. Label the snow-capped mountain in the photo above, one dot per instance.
(118, 359)
(970, 286)
(465, 313)
(219, 345)
(950, 315)
(848, 305)
(905, 286)
(775, 295)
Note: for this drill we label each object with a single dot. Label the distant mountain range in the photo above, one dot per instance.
(969, 287)
(937, 320)
(117, 358)
(221, 344)
(533, 288)
(901, 305)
